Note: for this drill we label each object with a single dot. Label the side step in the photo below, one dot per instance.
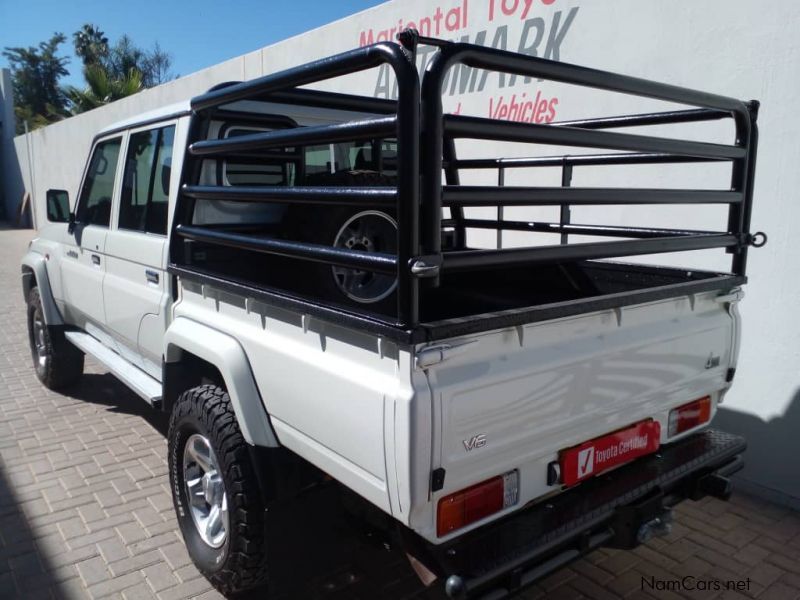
(131, 375)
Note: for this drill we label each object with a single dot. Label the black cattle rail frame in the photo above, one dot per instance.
(420, 195)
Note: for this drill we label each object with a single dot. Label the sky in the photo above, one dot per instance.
(196, 33)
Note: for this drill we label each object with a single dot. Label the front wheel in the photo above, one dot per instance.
(215, 491)
(58, 363)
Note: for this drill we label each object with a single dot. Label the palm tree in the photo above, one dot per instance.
(102, 89)
(36, 120)
(91, 44)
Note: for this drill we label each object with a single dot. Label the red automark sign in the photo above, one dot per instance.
(603, 453)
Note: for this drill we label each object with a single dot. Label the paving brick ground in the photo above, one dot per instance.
(85, 511)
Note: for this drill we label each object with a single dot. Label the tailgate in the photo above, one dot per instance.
(513, 399)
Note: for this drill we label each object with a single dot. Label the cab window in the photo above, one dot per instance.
(144, 200)
(258, 171)
(320, 159)
(94, 204)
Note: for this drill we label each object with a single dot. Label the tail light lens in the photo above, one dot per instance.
(689, 416)
(476, 502)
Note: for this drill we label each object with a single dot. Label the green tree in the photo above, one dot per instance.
(111, 72)
(102, 88)
(38, 96)
(114, 71)
(124, 56)
(157, 67)
(91, 45)
(154, 65)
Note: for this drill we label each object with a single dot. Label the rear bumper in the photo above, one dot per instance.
(609, 510)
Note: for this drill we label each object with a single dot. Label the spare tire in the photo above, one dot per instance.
(357, 228)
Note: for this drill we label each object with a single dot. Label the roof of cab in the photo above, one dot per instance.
(160, 114)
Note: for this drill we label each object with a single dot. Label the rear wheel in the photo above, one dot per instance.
(215, 491)
(58, 363)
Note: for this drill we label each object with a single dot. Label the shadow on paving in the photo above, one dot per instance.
(323, 555)
(317, 552)
(767, 446)
(106, 390)
(25, 572)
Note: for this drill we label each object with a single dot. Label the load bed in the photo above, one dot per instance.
(446, 283)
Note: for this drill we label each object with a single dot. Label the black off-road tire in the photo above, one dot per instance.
(320, 225)
(60, 364)
(241, 562)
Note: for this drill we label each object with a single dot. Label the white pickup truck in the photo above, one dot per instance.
(286, 273)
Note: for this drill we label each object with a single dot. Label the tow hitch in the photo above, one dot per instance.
(638, 523)
(658, 527)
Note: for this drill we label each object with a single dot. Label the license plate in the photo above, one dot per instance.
(606, 452)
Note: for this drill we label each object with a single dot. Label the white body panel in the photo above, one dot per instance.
(331, 393)
(83, 268)
(136, 295)
(225, 352)
(358, 408)
(548, 386)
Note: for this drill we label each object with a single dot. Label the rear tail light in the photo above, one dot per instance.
(477, 502)
(689, 416)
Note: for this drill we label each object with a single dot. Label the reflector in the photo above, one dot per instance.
(689, 415)
(476, 502)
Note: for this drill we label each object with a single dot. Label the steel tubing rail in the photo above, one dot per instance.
(549, 196)
(337, 100)
(503, 61)
(519, 64)
(576, 160)
(352, 61)
(492, 259)
(339, 196)
(695, 115)
(369, 261)
(509, 131)
(300, 136)
(283, 87)
(578, 229)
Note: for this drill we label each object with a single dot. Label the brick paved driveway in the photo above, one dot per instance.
(85, 510)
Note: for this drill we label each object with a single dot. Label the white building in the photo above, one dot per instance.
(732, 47)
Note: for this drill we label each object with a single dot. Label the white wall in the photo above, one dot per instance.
(734, 47)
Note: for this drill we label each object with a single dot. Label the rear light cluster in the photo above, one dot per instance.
(477, 502)
(689, 416)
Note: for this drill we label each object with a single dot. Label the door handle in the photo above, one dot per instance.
(96, 259)
(152, 276)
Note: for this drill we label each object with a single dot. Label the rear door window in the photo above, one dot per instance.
(144, 200)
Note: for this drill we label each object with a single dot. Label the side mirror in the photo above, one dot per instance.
(58, 206)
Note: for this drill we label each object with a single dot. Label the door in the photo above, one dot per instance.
(135, 286)
(83, 262)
